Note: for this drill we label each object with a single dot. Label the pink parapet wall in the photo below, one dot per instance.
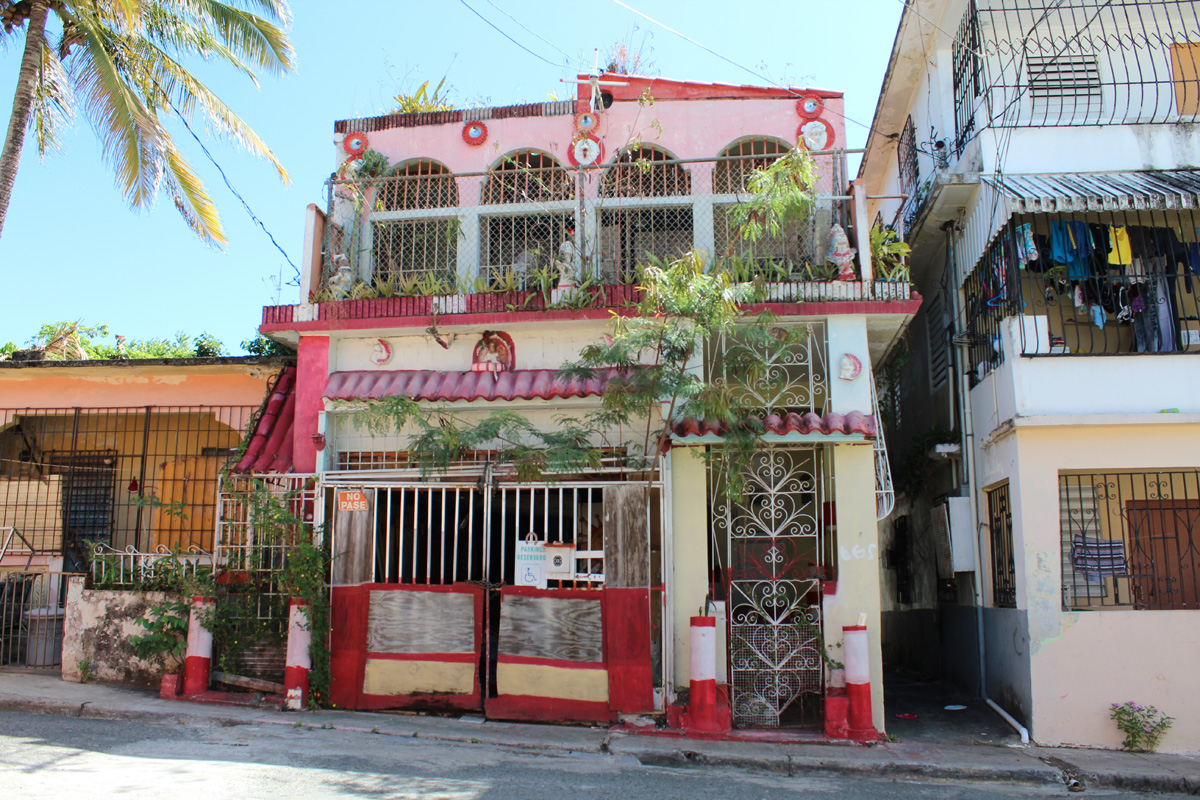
(312, 372)
(688, 120)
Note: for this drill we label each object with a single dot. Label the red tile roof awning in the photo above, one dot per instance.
(809, 422)
(270, 448)
(437, 386)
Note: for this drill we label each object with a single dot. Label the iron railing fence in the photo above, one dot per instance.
(1130, 539)
(31, 620)
(1047, 63)
(133, 569)
(795, 379)
(530, 223)
(1113, 283)
(142, 476)
(1003, 560)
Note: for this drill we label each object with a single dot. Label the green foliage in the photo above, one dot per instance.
(166, 632)
(888, 253)
(1143, 726)
(74, 341)
(85, 671)
(169, 572)
(262, 346)
(422, 100)
(647, 361)
(780, 192)
(373, 164)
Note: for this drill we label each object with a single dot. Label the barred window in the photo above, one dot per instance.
(528, 176)
(642, 172)
(906, 154)
(418, 184)
(411, 249)
(1004, 571)
(629, 235)
(937, 333)
(743, 157)
(967, 67)
(1130, 539)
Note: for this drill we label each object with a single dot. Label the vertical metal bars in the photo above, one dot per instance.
(1004, 572)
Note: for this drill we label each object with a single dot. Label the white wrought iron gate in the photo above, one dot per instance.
(772, 536)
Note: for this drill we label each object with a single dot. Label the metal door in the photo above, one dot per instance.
(772, 535)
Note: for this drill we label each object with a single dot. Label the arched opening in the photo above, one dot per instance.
(741, 158)
(645, 171)
(420, 183)
(527, 176)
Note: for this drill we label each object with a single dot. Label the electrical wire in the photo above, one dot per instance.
(511, 39)
(912, 4)
(756, 74)
(535, 35)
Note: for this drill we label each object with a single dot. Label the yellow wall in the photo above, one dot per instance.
(1082, 661)
(857, 545)
(689, 550)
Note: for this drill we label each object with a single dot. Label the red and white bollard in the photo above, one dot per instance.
(197, 666)
(858, 680)
(299, 662)
(702, 702)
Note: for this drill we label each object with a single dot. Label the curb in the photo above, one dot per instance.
(1037, 773)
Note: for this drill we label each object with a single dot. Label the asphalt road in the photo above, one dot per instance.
(51, 757)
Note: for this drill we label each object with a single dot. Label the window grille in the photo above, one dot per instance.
(528, 177)
(418, 184)
(640, 172)
(411, 250)
(629, 235)
(1130, 539)
(514, 248)
(906, 155)
(967, 67)
(1004, 571)
(1185, 74)
(729, 177)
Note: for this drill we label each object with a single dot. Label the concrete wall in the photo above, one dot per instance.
(96, 629)
(121, 386)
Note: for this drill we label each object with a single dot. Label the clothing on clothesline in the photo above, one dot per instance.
(1120, 252)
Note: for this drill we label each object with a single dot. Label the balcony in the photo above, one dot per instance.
(534, 237)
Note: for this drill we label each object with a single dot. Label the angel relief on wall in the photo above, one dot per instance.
(494, 353)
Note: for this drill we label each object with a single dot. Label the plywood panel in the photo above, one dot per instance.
(559, 628)
(410, 622)
(191, 481)
(391, 677)
(560, 683)
(353, 543)
(626, 537)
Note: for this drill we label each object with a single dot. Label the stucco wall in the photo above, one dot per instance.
(96, 629)
(1081, 662)
(115, 387)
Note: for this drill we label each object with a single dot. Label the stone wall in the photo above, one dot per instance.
(96, 630)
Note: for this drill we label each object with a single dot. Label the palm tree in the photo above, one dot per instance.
(121, 62)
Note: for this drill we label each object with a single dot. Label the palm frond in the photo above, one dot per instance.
(53, 101)
(191, 197)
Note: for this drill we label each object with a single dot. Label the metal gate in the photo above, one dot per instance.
(432, 607)
(773, 537)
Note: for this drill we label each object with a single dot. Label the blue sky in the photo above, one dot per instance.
(71, 249)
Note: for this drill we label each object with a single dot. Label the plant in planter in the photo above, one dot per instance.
(888, 253)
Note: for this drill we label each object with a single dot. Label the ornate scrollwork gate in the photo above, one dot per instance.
(773, 537)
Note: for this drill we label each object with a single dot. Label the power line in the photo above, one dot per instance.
(758, 75)
(532, 33)
(511, 39)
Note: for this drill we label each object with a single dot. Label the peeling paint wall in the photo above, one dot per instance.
(96, 630)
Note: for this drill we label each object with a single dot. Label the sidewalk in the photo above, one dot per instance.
(47, 694)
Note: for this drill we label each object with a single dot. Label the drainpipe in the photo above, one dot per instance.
(968, 461)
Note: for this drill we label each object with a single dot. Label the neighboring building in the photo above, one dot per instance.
(434, 283)
(124, 456)
(1049, 156)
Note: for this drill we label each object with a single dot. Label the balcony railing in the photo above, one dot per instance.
(426, 242)
(1106, 284)
(1046, 63)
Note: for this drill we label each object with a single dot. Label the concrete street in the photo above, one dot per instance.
(52, 756)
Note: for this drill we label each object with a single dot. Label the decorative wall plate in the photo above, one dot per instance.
(816, 134)
(474, 133)
(585, 151)
(355, 143)
(809, 106)
(587, 122)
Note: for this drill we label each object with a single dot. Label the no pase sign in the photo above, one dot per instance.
(352, 500)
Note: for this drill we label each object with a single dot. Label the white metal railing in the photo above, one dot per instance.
(131, 566)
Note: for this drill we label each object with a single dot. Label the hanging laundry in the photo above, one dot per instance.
(1078, 295)
(1099, 316)
(1026, 248)
(1118, 237)
(1071, 244)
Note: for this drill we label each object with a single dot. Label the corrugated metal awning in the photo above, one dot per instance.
(1099, 191)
